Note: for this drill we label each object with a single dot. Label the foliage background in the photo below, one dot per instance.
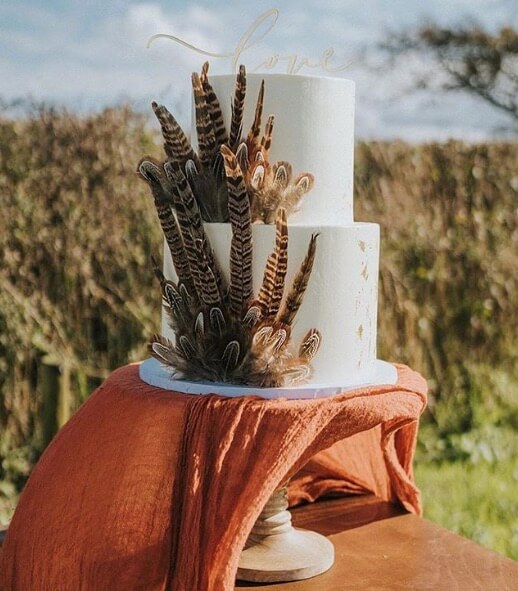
(77, 297)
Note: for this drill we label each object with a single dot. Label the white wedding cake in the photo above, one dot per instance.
(314, 131)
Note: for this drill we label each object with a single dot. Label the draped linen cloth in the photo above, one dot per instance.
(147, 489)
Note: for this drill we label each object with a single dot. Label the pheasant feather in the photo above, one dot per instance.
(214, 107)
(266, 140)
(272, 287)
(176, 144)
(162, 349)
(300, 283)
(255, 130)
(151, 172)
(310, 344)
(204, 125)
(241, 279)
(281, 267)
(185, 202)
(238, 105)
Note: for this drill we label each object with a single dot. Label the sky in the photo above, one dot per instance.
(86, 55)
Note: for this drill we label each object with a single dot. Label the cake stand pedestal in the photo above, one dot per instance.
(277, 552)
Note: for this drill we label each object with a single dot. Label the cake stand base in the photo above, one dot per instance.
(277, 552)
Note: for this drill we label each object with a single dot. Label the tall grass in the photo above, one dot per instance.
(76, 290)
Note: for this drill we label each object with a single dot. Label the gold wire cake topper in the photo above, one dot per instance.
(251, 37)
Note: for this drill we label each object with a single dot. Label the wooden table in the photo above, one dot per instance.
(380, 548)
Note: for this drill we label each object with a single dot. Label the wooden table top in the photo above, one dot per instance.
(380, 548)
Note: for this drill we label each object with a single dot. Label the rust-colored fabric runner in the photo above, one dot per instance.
(150, 490)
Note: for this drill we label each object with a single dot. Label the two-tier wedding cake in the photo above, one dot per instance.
(308, 154)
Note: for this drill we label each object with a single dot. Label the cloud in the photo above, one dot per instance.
(50, 59)
(88, 55)
(197, 25)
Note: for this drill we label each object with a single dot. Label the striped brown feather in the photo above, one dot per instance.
(176, 144)
(281, 247)
(184, 224)
(214, 107)
(194, 226)
(274, 273)
(205, 129)
(236, 125)
(241, 279)
(300, 283)
(176, 247)
(252, 139)
(152, 173)
(211, 295)
(195, 217)
(265, 292)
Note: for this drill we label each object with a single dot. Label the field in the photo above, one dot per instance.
(477, 501)
(77, 296)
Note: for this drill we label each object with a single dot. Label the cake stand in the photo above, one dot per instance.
(277, 552)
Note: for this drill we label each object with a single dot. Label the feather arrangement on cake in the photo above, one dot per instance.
(271, 186)
(223, 333)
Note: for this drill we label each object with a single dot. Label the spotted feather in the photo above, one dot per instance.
(310, 344)
(252, 139)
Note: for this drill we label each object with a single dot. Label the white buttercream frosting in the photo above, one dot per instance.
(313, 130)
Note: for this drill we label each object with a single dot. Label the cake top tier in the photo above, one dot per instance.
(313, 130)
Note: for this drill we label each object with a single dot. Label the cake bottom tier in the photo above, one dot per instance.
(341, 298)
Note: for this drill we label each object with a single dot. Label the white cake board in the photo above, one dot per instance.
(153, 373)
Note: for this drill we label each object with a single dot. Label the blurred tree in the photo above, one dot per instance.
(473, 60)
